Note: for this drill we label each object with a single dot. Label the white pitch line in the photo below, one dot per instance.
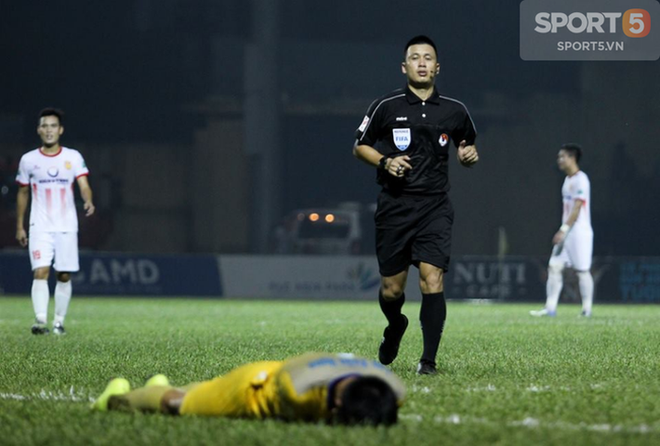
(529, 422)
(534, 423)
(534, 388)
(48, 396)
(417, 389)
(488, 388)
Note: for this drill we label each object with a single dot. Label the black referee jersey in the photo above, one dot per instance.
(403, 124)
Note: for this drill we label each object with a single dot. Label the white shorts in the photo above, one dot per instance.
(577, 252)
(61, 246)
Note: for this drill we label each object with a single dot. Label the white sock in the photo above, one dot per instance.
(586, 283)
(553, 287)
(62, 298)
(40, 297)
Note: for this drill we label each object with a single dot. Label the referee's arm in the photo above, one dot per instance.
(367, 154)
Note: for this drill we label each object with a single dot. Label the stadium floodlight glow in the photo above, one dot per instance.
(314, 216)
(329, 218)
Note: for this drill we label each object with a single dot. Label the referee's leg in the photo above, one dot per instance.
(432, 315)
(391, 298)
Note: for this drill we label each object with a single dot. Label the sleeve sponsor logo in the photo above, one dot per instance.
(364, 124)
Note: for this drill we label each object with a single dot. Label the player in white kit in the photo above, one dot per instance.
(573, 243)
(49, 173)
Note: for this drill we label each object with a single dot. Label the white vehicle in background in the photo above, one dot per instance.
(337, 230)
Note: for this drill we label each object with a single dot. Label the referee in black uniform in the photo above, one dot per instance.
(412, 129)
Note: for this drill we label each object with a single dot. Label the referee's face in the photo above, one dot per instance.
(421, 65)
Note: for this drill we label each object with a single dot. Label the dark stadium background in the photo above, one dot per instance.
(205, 122)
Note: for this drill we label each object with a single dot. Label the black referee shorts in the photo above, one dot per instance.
(412, 229)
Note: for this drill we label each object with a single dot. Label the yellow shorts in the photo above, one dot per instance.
(244, 392)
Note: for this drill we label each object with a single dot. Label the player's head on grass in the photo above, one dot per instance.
(50, 126)
(420, 62)
(568, 157)
(366, 401)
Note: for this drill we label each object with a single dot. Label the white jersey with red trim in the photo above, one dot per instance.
(51, 179)
(577, 187)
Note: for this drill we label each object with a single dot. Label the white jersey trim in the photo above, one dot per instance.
(466, 109)
(376, 109)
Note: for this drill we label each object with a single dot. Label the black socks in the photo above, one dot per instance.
(392, 309)
(432, 317)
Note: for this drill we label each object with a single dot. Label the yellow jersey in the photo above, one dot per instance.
(295, 389)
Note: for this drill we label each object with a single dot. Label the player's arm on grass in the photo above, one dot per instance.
(21, 206)
(396, 166)
(86, 193)
(572, 217)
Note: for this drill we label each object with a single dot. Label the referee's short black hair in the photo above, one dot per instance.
(51, 111)
(573, 149)
(419, 40)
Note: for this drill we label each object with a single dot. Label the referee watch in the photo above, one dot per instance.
(382, 163)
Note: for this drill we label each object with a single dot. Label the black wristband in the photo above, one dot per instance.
(382, 163)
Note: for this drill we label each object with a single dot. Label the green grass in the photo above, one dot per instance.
(506, 378)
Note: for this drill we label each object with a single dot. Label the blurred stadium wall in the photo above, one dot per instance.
(158, 101)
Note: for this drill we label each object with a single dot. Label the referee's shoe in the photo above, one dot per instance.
(389, 346)
(426, 367)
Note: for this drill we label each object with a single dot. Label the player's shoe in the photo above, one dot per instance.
(117, 386)
(426, 367)
(58, 329)
(585, 313)
(157, 380)
(543, 313)
(39, 329)
(389, 346)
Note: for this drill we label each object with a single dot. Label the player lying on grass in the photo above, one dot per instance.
(338, 388)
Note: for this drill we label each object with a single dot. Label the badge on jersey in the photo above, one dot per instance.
(67, 165)
(444, 139)
(401, 138)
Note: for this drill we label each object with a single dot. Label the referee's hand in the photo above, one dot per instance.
(398, 166)
(467, 155)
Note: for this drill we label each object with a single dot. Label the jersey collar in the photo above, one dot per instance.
(414, 99)
(41, 150)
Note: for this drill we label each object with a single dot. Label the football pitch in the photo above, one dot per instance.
(505, 377)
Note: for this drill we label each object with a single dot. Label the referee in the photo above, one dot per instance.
(412, 128)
